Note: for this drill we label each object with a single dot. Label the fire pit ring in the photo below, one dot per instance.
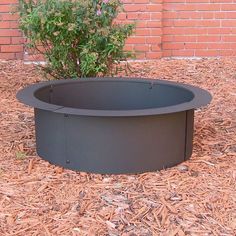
(114, 125)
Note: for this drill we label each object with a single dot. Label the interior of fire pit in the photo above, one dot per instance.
(114, 95)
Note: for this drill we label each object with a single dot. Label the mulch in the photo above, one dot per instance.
(197, 197)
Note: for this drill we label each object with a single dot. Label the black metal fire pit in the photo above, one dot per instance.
(114, 125)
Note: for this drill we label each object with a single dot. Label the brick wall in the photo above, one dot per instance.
(199, 28)
(165, 28)
(11, 41)
(147, 15)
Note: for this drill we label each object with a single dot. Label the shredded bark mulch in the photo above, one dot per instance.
(197, 197)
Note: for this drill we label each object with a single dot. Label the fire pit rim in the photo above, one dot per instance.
(200, 98)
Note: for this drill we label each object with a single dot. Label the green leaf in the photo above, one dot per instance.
(75, 40)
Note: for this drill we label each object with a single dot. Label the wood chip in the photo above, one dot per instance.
(197, 197)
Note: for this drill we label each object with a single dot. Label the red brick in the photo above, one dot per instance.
(207, 53)
(156, 15)
(17, 40)
(209, 7)
(7, 56)
(9, 32)
(185, 23)
(128, 47)
(11, 48)
(157, 31)
(5, 40)
(219, 31)
(142, 32)
(195, 45)
(208, 38)
(186, 15)
(136, 40)
(6, 8)
(168, 38)
(219, 46)
(9, 16)
(174, 31)
(141, 48)
(153, 40)
(153, 55)
(228, 23)
(140, 1)
(157, 1)
(170, 14)
(207, 15)
(167, 53)
(140, 55)
(183, 53)
(139, 16)
(173, 46)
(228, 53)
(156, 48)
(168, 23)
(135, 7)
(141, 24)
(209, 23)
(5, 25)
(127, 1)
(19, 55)
(228, 7)
(225, 15)
(14, 24)
(154, 23)
(185, 38)
(3, 2)
(154, 8)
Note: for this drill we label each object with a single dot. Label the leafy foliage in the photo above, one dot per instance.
(78, 38)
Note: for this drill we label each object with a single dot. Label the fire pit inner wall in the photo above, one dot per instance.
(114, 95)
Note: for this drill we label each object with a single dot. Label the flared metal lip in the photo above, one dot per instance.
(201, 98)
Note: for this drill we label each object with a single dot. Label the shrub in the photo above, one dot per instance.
(78, 38)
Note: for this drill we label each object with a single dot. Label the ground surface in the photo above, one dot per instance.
(197, 197)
